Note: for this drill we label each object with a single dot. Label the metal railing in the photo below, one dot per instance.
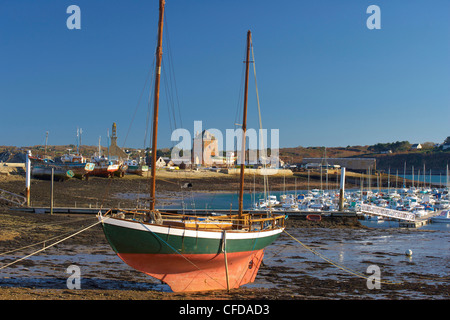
(385, 212)
(12, 197)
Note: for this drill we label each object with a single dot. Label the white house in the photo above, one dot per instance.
(162, 162)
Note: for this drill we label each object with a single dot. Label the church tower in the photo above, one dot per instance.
(114, 150)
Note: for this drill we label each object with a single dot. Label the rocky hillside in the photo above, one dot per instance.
(433, 158)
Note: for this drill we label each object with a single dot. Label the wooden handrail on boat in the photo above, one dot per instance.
(248, 221)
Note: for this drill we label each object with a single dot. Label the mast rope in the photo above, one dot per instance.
(265, 178)
(139, 102)
(348, 270)
(172, 76)
(44, 241)
(53, 244)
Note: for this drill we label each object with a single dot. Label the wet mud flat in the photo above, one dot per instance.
(289, 270)
(95, 192)
(297, 271)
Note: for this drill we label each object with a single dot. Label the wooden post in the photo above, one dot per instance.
(224, 249)
(51, 191)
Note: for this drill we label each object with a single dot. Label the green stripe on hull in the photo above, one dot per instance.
(128, 240)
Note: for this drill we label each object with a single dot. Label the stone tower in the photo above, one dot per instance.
(114, 150)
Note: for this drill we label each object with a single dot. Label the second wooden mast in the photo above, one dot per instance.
(244, 125)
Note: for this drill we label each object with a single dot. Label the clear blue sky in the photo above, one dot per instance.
(324, 78)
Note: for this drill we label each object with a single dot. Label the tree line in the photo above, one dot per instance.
(393, 146)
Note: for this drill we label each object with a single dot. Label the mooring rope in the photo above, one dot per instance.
(353, 272)
(53, 244)
(44, 224)
(44, 241)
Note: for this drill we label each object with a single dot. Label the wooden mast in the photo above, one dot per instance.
(156, 104)
(244, 123)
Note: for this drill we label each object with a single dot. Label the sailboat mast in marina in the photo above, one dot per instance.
(187, 252)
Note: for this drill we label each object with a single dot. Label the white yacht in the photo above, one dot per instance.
(443, 217)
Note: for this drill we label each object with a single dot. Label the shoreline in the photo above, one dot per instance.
(101, 191)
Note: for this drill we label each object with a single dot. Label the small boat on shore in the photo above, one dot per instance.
(44, 172)
(65, 167)
(103, 167)
(77, 164)
(314, 217)
(134, 167)
(44, 168)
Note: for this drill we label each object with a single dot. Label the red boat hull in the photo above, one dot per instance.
(199, 272)
(103, 171)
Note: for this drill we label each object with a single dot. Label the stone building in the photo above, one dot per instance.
(206, 149)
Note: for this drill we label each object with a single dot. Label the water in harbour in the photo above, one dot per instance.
(435, 180)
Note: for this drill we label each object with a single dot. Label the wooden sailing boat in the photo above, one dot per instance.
(187, 252)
